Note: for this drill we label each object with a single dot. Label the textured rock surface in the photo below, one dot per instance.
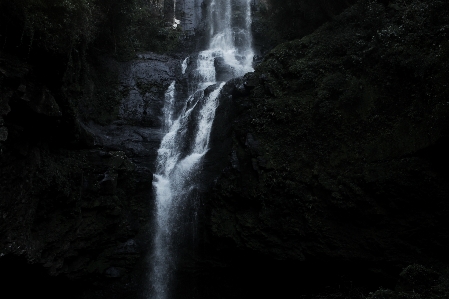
(78, 137)
(144, 82)
(75, 194)
(332, 155)
(336, 161)
(137, 127)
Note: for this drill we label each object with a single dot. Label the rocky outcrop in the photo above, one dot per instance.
(79, 132)
(332, 163)
(142, 83)
(76, 191)
(336, 160)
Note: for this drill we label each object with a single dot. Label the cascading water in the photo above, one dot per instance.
(187, 132)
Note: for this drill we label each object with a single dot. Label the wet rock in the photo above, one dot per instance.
(224, 72)
(190, 17)
(70, 193)
(239, 87)
(250, 80)
(137, 132)
(144, 82)
(137, 142)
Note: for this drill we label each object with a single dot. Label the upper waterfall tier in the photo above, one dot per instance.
(179, 161)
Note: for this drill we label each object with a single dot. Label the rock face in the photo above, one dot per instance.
(77, 150)
(76, 195)
(78, 139)
(137, 130)
(189, 13)
(335, 162)
(331, 161)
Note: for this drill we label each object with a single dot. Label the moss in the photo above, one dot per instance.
(345, 122)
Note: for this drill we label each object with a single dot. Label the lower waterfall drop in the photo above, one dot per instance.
(187, 131)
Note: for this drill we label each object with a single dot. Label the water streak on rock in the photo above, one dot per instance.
(187, 133)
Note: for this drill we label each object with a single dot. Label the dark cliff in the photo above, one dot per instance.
(328, 165)
(336, 169)
(79, 129)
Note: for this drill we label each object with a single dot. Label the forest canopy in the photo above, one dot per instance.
(297, 18)
(59, 26)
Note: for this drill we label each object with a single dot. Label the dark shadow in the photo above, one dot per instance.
(19, 279)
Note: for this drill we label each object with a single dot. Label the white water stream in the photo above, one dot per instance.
(187, 132)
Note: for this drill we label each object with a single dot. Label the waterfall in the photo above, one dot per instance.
(187, 131)
(176, 22)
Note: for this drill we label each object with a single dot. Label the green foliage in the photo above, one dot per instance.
(59, 26)
(63, 40)
(297, 18)
(340, 117)
(129, 26)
